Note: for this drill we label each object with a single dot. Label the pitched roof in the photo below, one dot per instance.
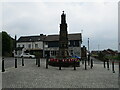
(31, 38)
(75, 36)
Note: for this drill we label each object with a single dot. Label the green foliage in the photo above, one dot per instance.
(7, 44)
(116, 57)
(37, 54)
(101, 56)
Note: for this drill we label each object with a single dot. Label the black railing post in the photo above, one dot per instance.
(60, 64)
(108, 64)
(22, 61)
(104, 63)
(91, 63)
(3, 69)
(38, 62)
(15, 62)
(47, 62)
(74, 65)
(85, 65)
(113, 67)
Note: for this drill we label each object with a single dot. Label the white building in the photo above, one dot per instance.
(49, 44)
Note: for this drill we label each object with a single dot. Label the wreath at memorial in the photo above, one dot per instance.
(65, 62)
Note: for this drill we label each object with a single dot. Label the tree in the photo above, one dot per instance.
(101, 56)
(7, 44)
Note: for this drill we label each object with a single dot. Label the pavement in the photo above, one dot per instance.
(32, 76)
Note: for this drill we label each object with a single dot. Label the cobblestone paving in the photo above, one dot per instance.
(31, 76)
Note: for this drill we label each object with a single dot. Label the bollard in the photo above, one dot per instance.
(88, 59)
(108, 64)
(119, 69)
(74, 65)
(79, 62)
(104, 63)
(113, 67)
(3, 69)
(22, 61)
(38, 62)
(15, 62)
(47, 63)
(82, 61)
(91, 63)
(60, 64)
(85, 65)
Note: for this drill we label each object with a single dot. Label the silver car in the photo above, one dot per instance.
(27, 55)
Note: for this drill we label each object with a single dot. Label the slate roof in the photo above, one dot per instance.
(75, 36)
(31, 38)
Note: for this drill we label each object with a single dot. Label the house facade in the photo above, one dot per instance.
(74, 44)
(49, 44)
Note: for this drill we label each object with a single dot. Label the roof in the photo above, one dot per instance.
(31, 38)
(75, 36)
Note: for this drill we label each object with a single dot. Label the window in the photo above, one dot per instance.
(68, 42)
(53, 53)
(18, 45)
(29, 45)
(36, 45)
(23, 45)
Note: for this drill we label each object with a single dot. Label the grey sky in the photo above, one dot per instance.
(98, 20)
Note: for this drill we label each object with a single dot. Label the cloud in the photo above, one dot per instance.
(98, 20)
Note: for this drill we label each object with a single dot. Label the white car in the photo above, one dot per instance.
(27, 55)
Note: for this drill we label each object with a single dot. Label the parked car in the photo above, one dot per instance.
(27, 55)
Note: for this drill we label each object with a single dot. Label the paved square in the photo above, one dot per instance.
(31, 76)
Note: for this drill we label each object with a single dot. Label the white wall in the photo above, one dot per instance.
(40, 45)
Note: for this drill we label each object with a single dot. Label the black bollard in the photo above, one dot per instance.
(85, 65)
(91, 63)
(47, 63)
(22, 61)
(119, 69)
(88, 59)
(82, 61)
(15, 62)
(38, 62)
(74, 65)
(60, 64)
(104, 63)
(3, 69)
(113, 67)
(79, 62)
(108, 64)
